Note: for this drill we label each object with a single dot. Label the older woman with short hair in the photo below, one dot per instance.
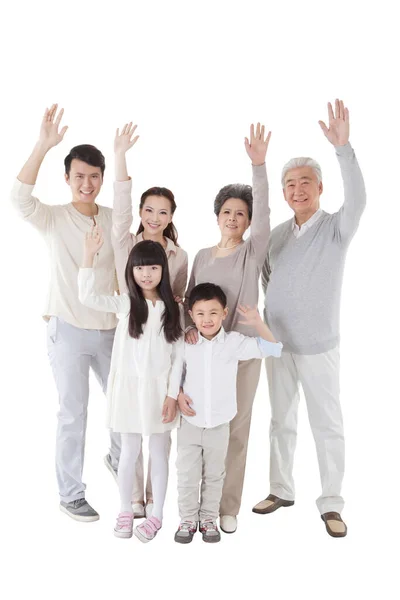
(235, 265)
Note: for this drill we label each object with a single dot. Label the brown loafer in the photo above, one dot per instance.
(334, 524)
(270, 504)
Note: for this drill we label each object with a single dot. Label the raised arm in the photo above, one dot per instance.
(121, 237)
(86, 278)
(256, 148)
(29, 207)
(348, 216)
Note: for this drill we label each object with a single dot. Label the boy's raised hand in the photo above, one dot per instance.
(184, 403)
(124, 141)
(169, 410)
(250, 315)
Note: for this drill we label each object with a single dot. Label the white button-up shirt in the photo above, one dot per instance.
(299, 231)
(210, 374)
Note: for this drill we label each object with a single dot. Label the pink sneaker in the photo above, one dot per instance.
(124, 525)
(147, 530)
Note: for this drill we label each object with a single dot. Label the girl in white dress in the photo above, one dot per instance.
(145, 373)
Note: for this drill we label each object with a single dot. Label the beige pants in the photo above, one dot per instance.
(247, 381)
(201, 458)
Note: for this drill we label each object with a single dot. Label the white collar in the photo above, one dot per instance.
(309, 222)
(170, 244)
(220, 337)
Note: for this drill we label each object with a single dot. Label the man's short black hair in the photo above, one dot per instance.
(88, 154)
(207, 291)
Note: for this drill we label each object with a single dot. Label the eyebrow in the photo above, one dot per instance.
(94, 173)
(305, 177)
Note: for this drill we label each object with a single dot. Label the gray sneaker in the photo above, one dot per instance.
(108, 463)
(79, 510)
(210, 531)
(186, 531)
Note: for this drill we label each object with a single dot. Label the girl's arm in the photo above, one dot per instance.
(121, 237)
(86, 278)
(256, 148)
(175, 374)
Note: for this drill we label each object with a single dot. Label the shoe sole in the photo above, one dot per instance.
(109, 467)
(273, 507)
(181, 540)
(79, 517)
(141, 537)
(122, 535)
(211, 540)
(224, 530)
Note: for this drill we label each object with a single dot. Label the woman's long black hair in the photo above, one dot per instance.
(142, 254)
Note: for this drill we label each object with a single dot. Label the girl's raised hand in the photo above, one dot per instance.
(124, 140)
(169, 410)
(93, 241)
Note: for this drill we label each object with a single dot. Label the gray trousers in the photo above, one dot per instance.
(72, 352)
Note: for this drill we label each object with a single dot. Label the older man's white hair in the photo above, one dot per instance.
(302, 161)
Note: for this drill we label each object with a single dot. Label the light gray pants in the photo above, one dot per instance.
(318, 375)
(201, 458)
(72, 351)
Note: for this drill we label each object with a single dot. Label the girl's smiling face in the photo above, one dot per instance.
(156, 215)
(147, 277)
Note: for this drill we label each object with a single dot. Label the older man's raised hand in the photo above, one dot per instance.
(339, 124)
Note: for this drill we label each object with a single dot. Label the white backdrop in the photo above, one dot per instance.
(194, 76)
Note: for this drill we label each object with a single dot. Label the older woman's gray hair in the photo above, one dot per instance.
(234, 190)
(302, 161)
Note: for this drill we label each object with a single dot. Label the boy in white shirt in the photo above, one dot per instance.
(208, 403)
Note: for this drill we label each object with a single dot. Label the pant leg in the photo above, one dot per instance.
(215, 447)
(130, 448)
(70, 363)
(319, 376)
(100, 364)
(189, 468)
(247, 381)
(284, 397)
(159, 445)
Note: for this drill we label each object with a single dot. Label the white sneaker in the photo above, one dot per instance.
(138, 511)
(149, 509)
(228, 523)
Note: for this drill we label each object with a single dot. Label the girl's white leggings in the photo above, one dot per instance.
(159, 453)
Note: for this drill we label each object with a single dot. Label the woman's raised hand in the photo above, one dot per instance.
(339, 124)
(124, 140)
(257, 146)
(192, 336)
(49, 135)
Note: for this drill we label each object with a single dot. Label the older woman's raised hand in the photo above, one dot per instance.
(191, 336)
(257, 146)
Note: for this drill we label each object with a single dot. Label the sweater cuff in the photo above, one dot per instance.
(345, 151)
(270, 348)
(259, 170)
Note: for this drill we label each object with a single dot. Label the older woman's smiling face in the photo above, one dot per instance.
(233, 218)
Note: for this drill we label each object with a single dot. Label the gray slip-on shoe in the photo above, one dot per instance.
(79, 510)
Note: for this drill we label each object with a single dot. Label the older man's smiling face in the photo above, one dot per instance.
(302, 192)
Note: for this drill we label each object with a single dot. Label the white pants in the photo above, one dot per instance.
(201, 458)
(159, 446)
(72, 352)
(319, 377)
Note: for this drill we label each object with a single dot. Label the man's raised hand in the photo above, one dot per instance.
(339, 124)
(49, 135)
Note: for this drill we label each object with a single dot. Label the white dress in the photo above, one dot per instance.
(143, 371)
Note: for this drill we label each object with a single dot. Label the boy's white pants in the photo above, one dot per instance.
(318, 375)
(201, 459)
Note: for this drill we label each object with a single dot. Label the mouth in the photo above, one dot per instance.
(146, 282)
(231, 226)
(153, 225)
(86, 194)
(300, 201)
(208, 326)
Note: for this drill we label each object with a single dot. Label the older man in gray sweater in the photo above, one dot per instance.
(302, 280)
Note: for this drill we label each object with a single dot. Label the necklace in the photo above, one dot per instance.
(230, 247)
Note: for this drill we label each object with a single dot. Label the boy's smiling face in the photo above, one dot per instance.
(208, 315)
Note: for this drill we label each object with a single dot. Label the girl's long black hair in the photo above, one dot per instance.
(142, 254)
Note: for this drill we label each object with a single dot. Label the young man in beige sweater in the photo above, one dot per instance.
(78, 338)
